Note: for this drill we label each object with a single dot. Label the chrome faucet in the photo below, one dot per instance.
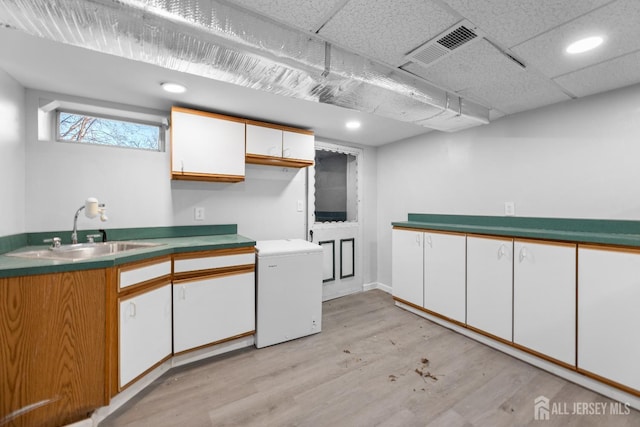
(103, 217)
(74, 234)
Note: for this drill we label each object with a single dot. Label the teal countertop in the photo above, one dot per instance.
(609, 232)
(11, 266)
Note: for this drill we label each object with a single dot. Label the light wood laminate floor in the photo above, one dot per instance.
(374, 364)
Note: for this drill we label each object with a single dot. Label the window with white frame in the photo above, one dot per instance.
(80, 127)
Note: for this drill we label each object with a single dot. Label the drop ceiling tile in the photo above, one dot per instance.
(511, 22)
(617, 22)
(387, 29)
(307, 15)
(614, 74)
(481, 72)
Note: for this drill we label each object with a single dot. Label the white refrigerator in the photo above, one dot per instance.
(288, 289)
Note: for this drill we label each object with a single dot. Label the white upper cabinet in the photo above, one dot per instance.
(490, 285)
(264, 141)
(544, 298)
(608, 319)
(269, 144)
(298, 145)
(206, 146)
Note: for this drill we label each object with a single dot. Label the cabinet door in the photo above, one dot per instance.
(213, 309)
(490, 285)
(444, 274)
(406, 266)
(264, 141)
(145, 331)
(544, 298)
(298, 146)
(608, 321)
(206, 144)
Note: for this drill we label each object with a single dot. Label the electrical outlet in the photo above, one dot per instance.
(509, 208)
(198, 214)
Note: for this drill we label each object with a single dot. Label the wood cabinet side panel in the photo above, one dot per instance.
(52, 330)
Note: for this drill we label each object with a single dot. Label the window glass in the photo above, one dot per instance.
(82, 128)
(335, 187)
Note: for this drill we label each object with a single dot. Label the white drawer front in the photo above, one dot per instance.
(142, 274)
(206, 263)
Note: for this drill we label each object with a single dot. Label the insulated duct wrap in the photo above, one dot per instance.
(217, 41)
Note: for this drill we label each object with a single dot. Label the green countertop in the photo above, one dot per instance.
(11, 266)
(609, 232)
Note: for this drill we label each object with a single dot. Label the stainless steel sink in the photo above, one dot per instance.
(83, 251)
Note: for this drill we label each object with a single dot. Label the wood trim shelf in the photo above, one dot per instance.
(258, 159)
(190, 176)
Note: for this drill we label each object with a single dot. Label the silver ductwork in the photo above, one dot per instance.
(220, 42)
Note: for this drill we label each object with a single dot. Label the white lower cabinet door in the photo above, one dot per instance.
(406, 266)
(490, 285)
(544, 298)
(145, 332)
(608, 319)
(212, 309)
(444, 274)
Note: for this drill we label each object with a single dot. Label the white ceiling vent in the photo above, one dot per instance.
(443, 44)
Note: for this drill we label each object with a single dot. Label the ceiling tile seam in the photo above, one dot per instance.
(604, 61)
(562, 24)
(529, 68)
(330, 15)
(444, 6)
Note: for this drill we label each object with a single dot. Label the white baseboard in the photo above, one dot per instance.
(376, 285)
(569, 375)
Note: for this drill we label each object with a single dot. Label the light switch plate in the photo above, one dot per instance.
(509, 208)
(300, 206)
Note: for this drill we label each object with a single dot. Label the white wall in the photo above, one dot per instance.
(12, 156)
(577, 159)
(138, 192)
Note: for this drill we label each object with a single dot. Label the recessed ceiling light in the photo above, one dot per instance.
(353, 124)
(173, 87)
(585, 44)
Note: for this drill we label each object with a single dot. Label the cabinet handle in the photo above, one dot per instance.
(502, 251)
(182, 166)
(429, 242)
(418, 240)
(183, 293)
(132, 309)
(286, 152)
(523, 254)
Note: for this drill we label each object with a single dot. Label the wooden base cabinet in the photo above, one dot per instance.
(143, 306)
(213, 297)
(544, 299)
(406, 266)
(52, 348)
(212, 309)
(490, 285)
(444, 274)
(608, 320)
(145, 331)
